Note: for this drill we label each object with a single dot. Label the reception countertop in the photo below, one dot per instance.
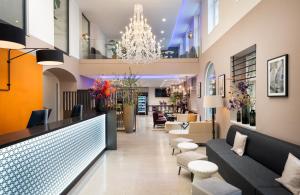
(50, 159)
(28, 133)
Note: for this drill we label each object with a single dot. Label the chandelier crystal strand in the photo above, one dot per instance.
(138, 44)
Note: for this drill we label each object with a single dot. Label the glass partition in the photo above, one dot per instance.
(13, 12)
(85, 37)
(61, 25)
(92, 48)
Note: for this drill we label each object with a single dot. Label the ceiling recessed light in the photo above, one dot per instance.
(17, 21)
(121, 32)
(162, 32)
(164, 19)
(160, 40)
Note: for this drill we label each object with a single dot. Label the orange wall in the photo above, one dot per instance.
(25, 94)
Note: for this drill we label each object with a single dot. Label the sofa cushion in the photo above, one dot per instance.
(252, 171)
(219, 146)
(269, 151)
(291, 175)
(239, 143)
(272, 191)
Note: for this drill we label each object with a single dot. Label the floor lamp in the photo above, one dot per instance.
(213, 102)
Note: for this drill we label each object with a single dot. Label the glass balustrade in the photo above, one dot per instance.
(102, 49)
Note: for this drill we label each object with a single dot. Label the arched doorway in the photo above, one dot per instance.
(210, 86)
(55, 82)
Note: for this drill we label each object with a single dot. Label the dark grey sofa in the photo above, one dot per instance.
(263, 161)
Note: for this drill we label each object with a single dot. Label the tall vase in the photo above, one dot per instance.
(245, 115)
(100, 105)
(129, 119)
(252, 118)
(238, 116)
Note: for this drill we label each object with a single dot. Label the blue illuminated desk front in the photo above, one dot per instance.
(50, 159)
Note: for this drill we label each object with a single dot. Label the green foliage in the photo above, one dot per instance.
(175, 96)
(113, 45)
(57, 4)
(128, 84)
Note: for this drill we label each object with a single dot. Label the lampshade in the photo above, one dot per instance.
(49, 57)
(212, 101)
(11, 37)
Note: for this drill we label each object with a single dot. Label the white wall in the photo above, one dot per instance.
(230, 11)
(40, 20)
(74, 29)
(98, 38)
(155, 100)
(50, 97)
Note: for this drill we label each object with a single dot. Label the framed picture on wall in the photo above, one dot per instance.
(221, 85)
(278, 76)
(199, 90)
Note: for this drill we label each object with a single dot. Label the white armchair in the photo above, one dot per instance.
(200, 132)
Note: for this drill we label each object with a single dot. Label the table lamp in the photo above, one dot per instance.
(213, 102)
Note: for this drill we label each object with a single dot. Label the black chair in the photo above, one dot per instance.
(37, 117)
(77, 110)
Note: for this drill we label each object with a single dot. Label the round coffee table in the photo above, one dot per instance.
(202, 169)
(187, 146)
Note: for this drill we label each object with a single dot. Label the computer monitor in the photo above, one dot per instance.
(37, 118)
(77, 110)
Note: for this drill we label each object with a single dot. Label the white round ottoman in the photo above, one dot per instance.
(174, 142)
(187, 146)
(202, 169)
(183, 159)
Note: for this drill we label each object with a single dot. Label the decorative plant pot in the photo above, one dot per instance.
(238, 116)
(245, 115)
(100, 105)
(129, 119)
(252, 118)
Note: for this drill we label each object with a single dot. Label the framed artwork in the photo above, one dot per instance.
(199, 90)
(221, 85)
(278, 76)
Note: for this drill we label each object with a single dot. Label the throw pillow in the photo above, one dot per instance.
(291, 175)
(239, 143)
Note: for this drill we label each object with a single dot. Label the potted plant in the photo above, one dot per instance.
(239, 100)
(129, 85)
(113, 48)
(101, 91)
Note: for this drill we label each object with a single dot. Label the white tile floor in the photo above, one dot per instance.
(142, 165)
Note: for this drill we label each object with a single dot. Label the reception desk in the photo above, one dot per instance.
(50, 159)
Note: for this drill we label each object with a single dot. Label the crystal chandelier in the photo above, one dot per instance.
(138, 44)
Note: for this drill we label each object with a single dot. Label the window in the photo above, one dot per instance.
(243, 69)
(13, 12)
(61, 25)
(213, 14)
(210, 86)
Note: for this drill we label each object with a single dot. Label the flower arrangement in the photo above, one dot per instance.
(239, 97)
(102, 89)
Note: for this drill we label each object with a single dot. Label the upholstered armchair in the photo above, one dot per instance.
(158, 119)
(187, 117)
(200, 132)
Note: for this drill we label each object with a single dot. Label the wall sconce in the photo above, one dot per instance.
(13, 38)
(190, 35)
(85, 36)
